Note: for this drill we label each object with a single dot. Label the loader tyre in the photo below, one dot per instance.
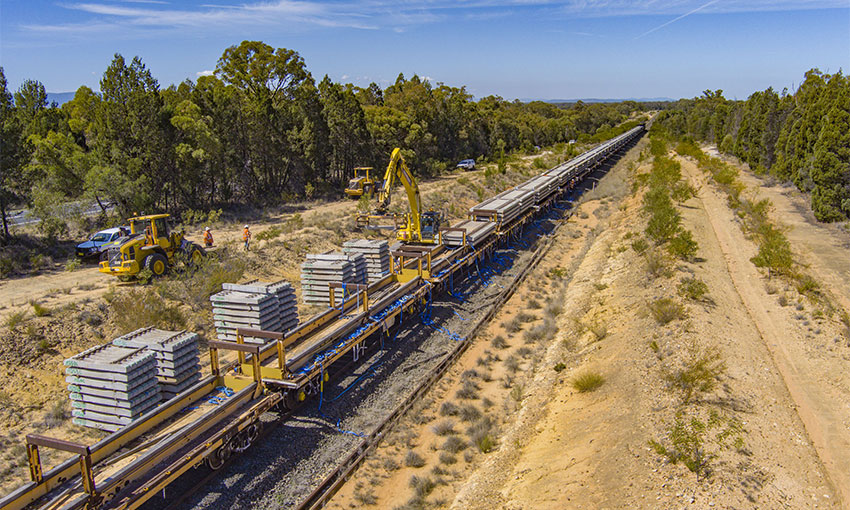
(157, 264)
(195, 255)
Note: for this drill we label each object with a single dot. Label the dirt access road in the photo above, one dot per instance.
(58, 288)
(815, 373)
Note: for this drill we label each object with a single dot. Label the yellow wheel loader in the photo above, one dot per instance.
(150, 246)
(362, 183)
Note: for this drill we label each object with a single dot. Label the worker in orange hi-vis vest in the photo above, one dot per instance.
(208, 238)
(246, 236)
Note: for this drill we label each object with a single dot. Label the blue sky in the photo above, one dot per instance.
(513, 48)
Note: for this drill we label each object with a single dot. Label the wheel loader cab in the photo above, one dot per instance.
(156, 231)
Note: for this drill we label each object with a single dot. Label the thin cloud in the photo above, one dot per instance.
(659, 27)
(142, 16)
(205, 73)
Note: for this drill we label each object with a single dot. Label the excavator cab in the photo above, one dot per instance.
(362, 184)
(430, 225)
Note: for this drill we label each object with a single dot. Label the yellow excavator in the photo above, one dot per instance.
(414, 226)
(361, 184)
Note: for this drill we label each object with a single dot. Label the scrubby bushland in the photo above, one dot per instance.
(199, 145)
(799, 136)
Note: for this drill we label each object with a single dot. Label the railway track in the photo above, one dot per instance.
(130, 467)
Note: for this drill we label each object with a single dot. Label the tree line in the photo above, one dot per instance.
(260, 130)
(801, 137)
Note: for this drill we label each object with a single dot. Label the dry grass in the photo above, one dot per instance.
(666, 310)
(413, 459)
(588, 381)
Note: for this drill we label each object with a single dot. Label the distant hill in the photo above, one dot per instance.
(60, 97)
(598, 100)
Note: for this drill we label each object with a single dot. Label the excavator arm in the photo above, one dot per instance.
(397, 170)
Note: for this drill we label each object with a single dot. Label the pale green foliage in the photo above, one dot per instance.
(691, 443)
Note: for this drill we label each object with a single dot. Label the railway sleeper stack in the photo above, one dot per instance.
(254, 305)
(320, 270)
(377, 255)
(476, 231)
(176, 352)
(110, 385)
(506, 206)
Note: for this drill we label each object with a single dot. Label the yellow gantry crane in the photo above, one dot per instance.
(412, 227)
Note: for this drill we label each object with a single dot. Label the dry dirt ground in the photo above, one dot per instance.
(34, 395)
(785, 381)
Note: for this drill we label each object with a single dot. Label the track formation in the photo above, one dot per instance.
(306, 406)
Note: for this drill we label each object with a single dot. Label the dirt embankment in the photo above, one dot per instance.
(556, 447)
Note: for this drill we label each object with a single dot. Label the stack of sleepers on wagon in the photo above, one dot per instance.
(254, 305)
(110, 386)
(475, 231)
(318, 271)
(377, 255)
(177, 364)
(507, 205)
(563, 173)
(542, 186)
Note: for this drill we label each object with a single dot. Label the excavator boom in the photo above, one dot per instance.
(398, 171)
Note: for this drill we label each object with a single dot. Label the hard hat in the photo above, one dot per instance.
(207, 228)
(246, 226)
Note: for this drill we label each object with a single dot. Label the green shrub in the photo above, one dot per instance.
(663, 224)
(665, 310)
(517, 392)
(691, 444)
(485, 443)
(693, 289)
(682, 192)
(15, 319)
(72, 264)
(689, 148)
(657, 265)
(140, 308)
(588, 381)
(698, 374)
(195, 286)
(559, 367)
(40, 310)
(806, 285)
(640, 245)
(774, 252)
(683, 246)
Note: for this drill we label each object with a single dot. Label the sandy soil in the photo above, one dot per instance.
(785, 382)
